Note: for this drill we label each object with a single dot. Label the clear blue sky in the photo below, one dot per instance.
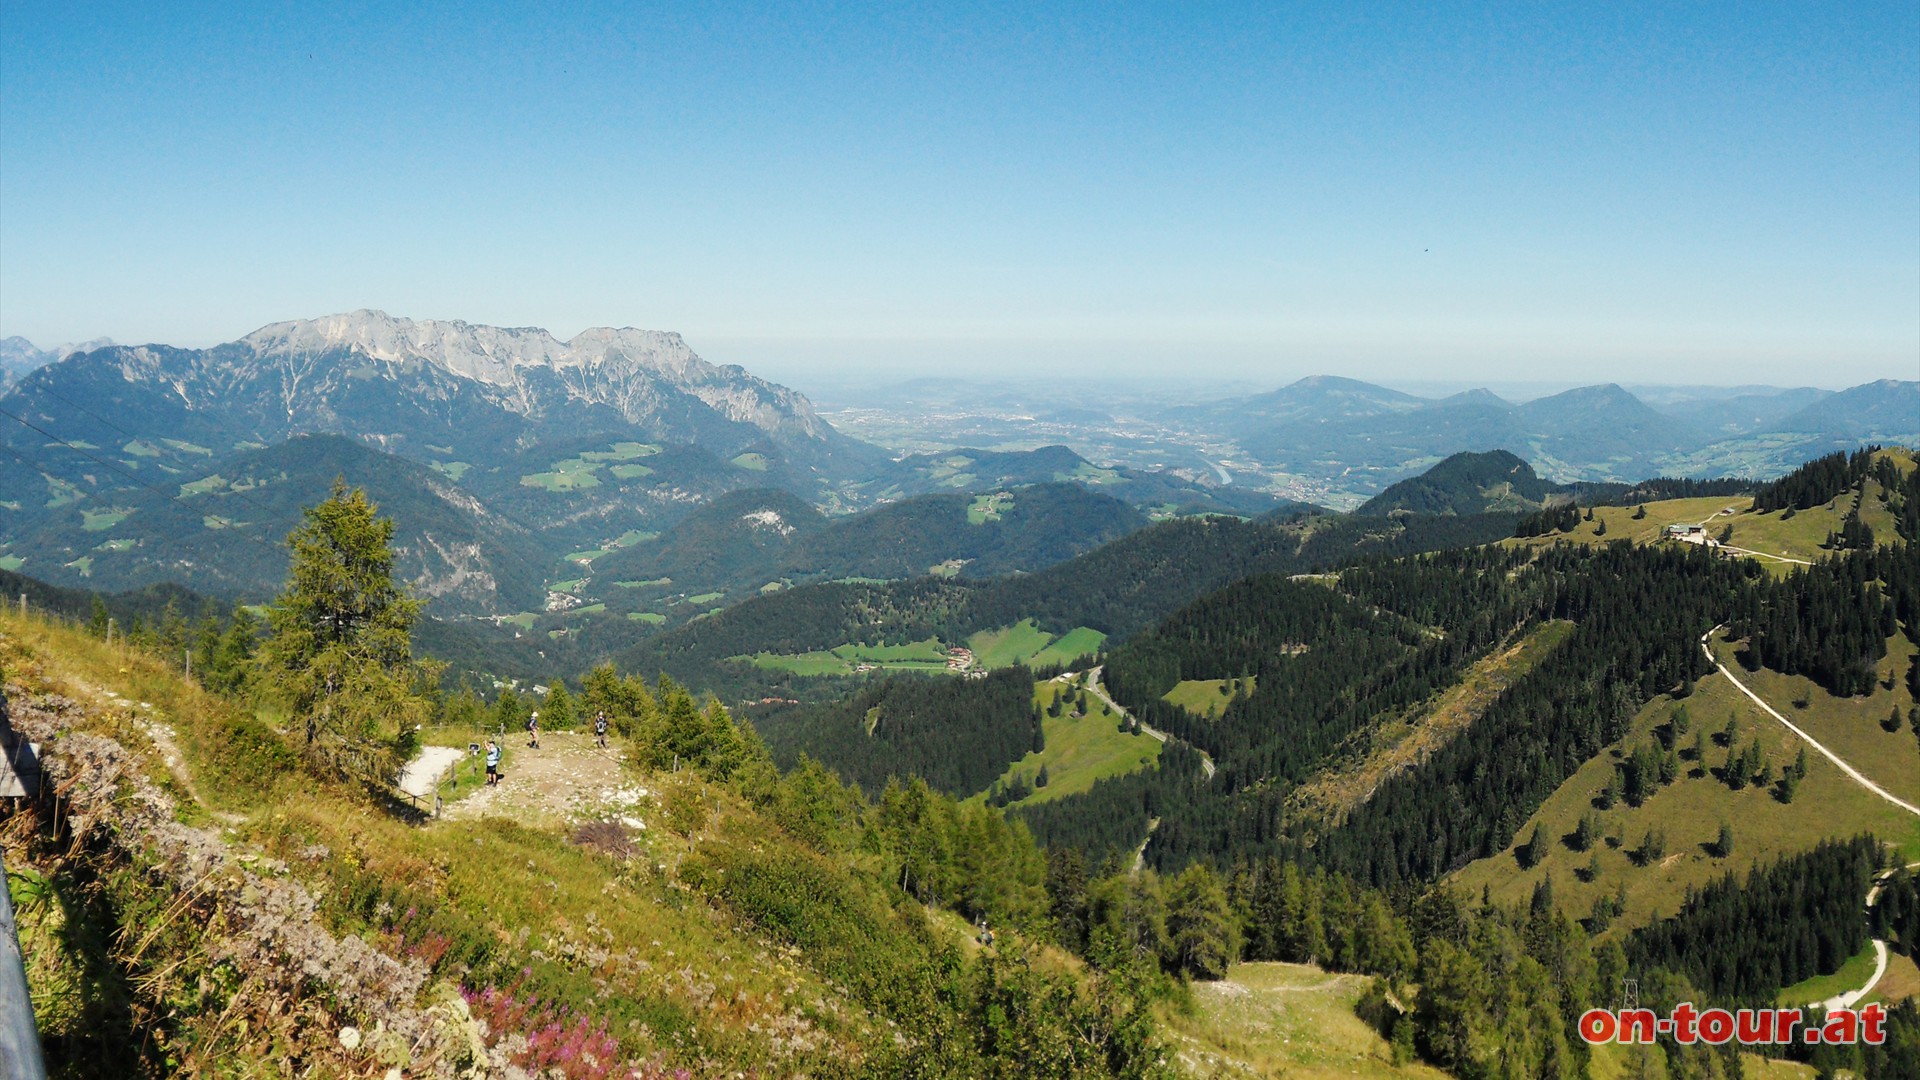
(1667, 193)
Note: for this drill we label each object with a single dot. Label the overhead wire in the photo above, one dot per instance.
(40, 388)
(96, 496)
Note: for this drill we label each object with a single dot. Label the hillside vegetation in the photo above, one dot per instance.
(1411, 710)
(1115, 590)
(726, 919)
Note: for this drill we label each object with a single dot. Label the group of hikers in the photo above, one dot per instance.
(533, 742)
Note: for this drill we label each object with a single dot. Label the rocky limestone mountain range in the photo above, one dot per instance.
(407, 386)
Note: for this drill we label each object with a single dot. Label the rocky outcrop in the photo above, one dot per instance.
(255, 916)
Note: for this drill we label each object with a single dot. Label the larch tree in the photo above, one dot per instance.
(339, 654)
(1204, 933)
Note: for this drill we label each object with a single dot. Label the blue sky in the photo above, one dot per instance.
(1667, 193)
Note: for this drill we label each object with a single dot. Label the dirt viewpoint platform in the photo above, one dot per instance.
(566, 778)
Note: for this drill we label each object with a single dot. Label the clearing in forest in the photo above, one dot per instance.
(1271, 1019)
(1079, 749)
(1403, 742)
(1209, 697)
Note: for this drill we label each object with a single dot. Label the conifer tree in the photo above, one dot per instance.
(1204, 935)
(340, 654)
(1533, 850)
(1583, 833)
(1653, 847)
(558, 711)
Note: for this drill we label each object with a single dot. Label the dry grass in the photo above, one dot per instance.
(1621, 524)
(1271, 1019)
(595, 922)
(1797, 537)
(1402, 743)
(1901, 981)
(1850, 727)
(1690, 811)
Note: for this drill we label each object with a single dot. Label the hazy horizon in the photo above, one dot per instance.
(1639, 194)
(823, 369)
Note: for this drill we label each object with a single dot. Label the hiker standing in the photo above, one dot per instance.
(493, 763)
(533, 731)
(600, 728)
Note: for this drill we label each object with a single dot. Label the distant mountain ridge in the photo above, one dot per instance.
(537, 462)
(222, 536)
(410, 385)
(751, 538)
(1357, 437)
(18, 356)
(969, 469)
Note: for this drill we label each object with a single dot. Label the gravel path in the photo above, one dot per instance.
(423, 773)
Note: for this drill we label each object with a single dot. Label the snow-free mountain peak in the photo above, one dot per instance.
(491, 354)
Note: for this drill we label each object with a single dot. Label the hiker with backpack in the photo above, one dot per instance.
(600, 728)
(493, 763)
(533, 731)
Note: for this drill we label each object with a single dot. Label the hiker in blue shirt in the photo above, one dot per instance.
(493, 763)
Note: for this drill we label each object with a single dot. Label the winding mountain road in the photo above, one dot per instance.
(1848, 999)
(1851, 997)
(1795, 728)
(1093, 684)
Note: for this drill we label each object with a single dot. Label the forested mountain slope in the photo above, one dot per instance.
(1116, 589)
(853, 896)
(220, 532)
(750, 539)
(1318, 664)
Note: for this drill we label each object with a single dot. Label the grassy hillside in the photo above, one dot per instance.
(1690, 811)
(1851, 727)
(1797, 535)
(1208, 697)
(1622, 522)
(655, 921)
(1025, 643)
(1081, 748)
(1272, 1019)
(1827, 805)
